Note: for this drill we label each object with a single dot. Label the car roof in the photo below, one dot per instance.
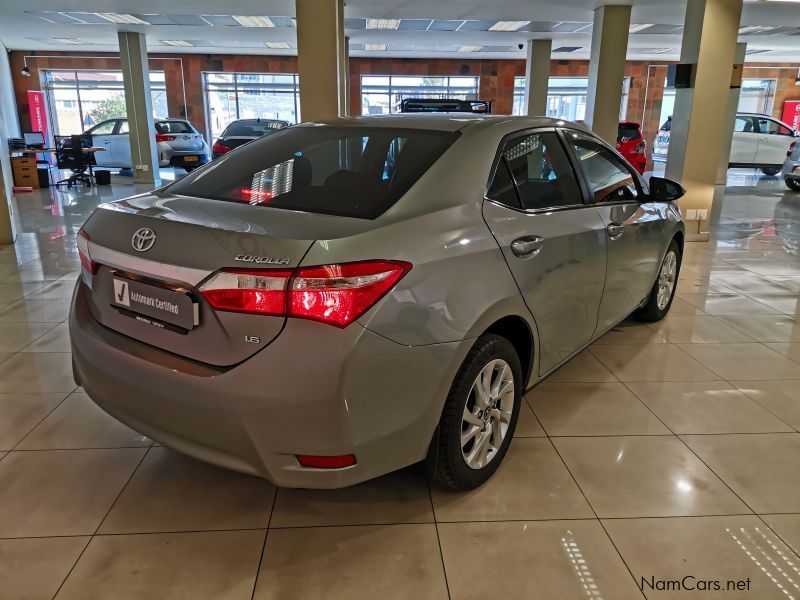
(440, 121)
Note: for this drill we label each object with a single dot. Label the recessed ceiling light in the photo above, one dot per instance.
(639, 27)
(470, 48)
(71, 41)
(123, 18)
(508, 25)
(375, 47)
(254, 21)
(277, 45)
(383, 23)
(177, 43)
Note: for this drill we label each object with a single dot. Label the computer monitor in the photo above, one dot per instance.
(33, 139)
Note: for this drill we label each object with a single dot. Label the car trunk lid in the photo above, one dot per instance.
(150, 292)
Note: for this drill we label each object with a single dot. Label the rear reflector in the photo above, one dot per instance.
(326, 462)
(333, 294)
(83, 253)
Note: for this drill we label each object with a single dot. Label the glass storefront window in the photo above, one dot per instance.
(382, 94)
(79, 99)
(566, 97)
(231, 96)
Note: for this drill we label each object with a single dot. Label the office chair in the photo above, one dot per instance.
(70, 155)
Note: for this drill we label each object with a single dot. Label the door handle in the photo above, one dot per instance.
(615, 230)
(527, 246)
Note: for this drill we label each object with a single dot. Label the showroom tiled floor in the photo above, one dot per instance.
(662, 451)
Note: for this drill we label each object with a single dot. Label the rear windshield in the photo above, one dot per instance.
(173, 127)
(627, 132)
(346, 171)
(252, 128)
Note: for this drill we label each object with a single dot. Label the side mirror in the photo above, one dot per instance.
(665, 190)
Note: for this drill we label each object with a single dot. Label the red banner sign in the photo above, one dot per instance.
(38, 114)
(791, 113)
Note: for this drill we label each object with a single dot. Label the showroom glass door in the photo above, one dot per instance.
(79, 99)
(231, 96)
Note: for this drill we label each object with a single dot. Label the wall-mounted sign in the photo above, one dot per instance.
(791, 113)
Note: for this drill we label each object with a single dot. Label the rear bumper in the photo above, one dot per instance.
(315, 390)
(179, 160)
(791, 169)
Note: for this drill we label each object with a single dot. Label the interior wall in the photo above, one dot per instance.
(496, 78)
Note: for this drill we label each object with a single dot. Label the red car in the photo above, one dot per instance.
(631, 144)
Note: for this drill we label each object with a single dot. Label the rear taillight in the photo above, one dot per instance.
(333, 294)
(641, 147)
(219, 148)
(163, 137)
(83, 252)
(198, 137)
(792, 146)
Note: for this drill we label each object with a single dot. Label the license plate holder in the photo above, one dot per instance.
(190, 159)
(174, 307)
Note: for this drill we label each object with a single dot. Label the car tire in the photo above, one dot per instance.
(660, 298)
(793, 184)
(770, 171)
(467, 466)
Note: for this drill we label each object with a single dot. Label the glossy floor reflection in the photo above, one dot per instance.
(663, 451)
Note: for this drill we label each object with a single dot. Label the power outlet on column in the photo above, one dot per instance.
(702, 215)
(691, 214)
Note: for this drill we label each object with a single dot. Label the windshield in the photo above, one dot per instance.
(252, 128)
(346, 171)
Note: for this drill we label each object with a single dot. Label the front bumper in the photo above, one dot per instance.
(315, 390)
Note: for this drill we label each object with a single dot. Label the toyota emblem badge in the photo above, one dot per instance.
(143, 239)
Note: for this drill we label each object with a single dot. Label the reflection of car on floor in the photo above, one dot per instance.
(242, 131)
(791, 167)
(759, 142)
(339, 300)
(631, 145)
(178, 144)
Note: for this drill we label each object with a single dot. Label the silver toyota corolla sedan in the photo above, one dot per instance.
(342, 299)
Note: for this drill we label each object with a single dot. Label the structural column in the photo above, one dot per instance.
(9, 127)
(537, 76)
(607, 70)
(730, 113)
(139, 104)
(320, 37)
(700, 125)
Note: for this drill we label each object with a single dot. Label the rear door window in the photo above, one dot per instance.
(608, 177)
(537, 166)
(348, 171)
(173, 127)
(106, 128)
(743, 125)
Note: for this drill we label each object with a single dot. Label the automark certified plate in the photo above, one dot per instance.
(190, 158)
(173, 307)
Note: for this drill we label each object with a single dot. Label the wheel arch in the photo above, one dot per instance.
(517, 331)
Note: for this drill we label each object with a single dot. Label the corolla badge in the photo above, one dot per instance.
(262, 260)
(143, 239)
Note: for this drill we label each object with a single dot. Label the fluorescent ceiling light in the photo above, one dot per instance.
(71, 41)
(383, 23)
(639, 27)
(470, 48)
(177, 43)
(277, 45)
(756, 29)
(123, 18)
(375, 47)
(655, 51)
(254, 21)
(509, 25)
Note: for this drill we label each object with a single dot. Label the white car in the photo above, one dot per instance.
(179, 144)
(759, 142)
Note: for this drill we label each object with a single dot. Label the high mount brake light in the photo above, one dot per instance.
(335, 294)
(83, 253)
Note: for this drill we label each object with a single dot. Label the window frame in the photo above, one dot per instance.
(641, 185)
(498, 160)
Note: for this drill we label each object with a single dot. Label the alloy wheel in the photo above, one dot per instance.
(487, 414)
(666, 279)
